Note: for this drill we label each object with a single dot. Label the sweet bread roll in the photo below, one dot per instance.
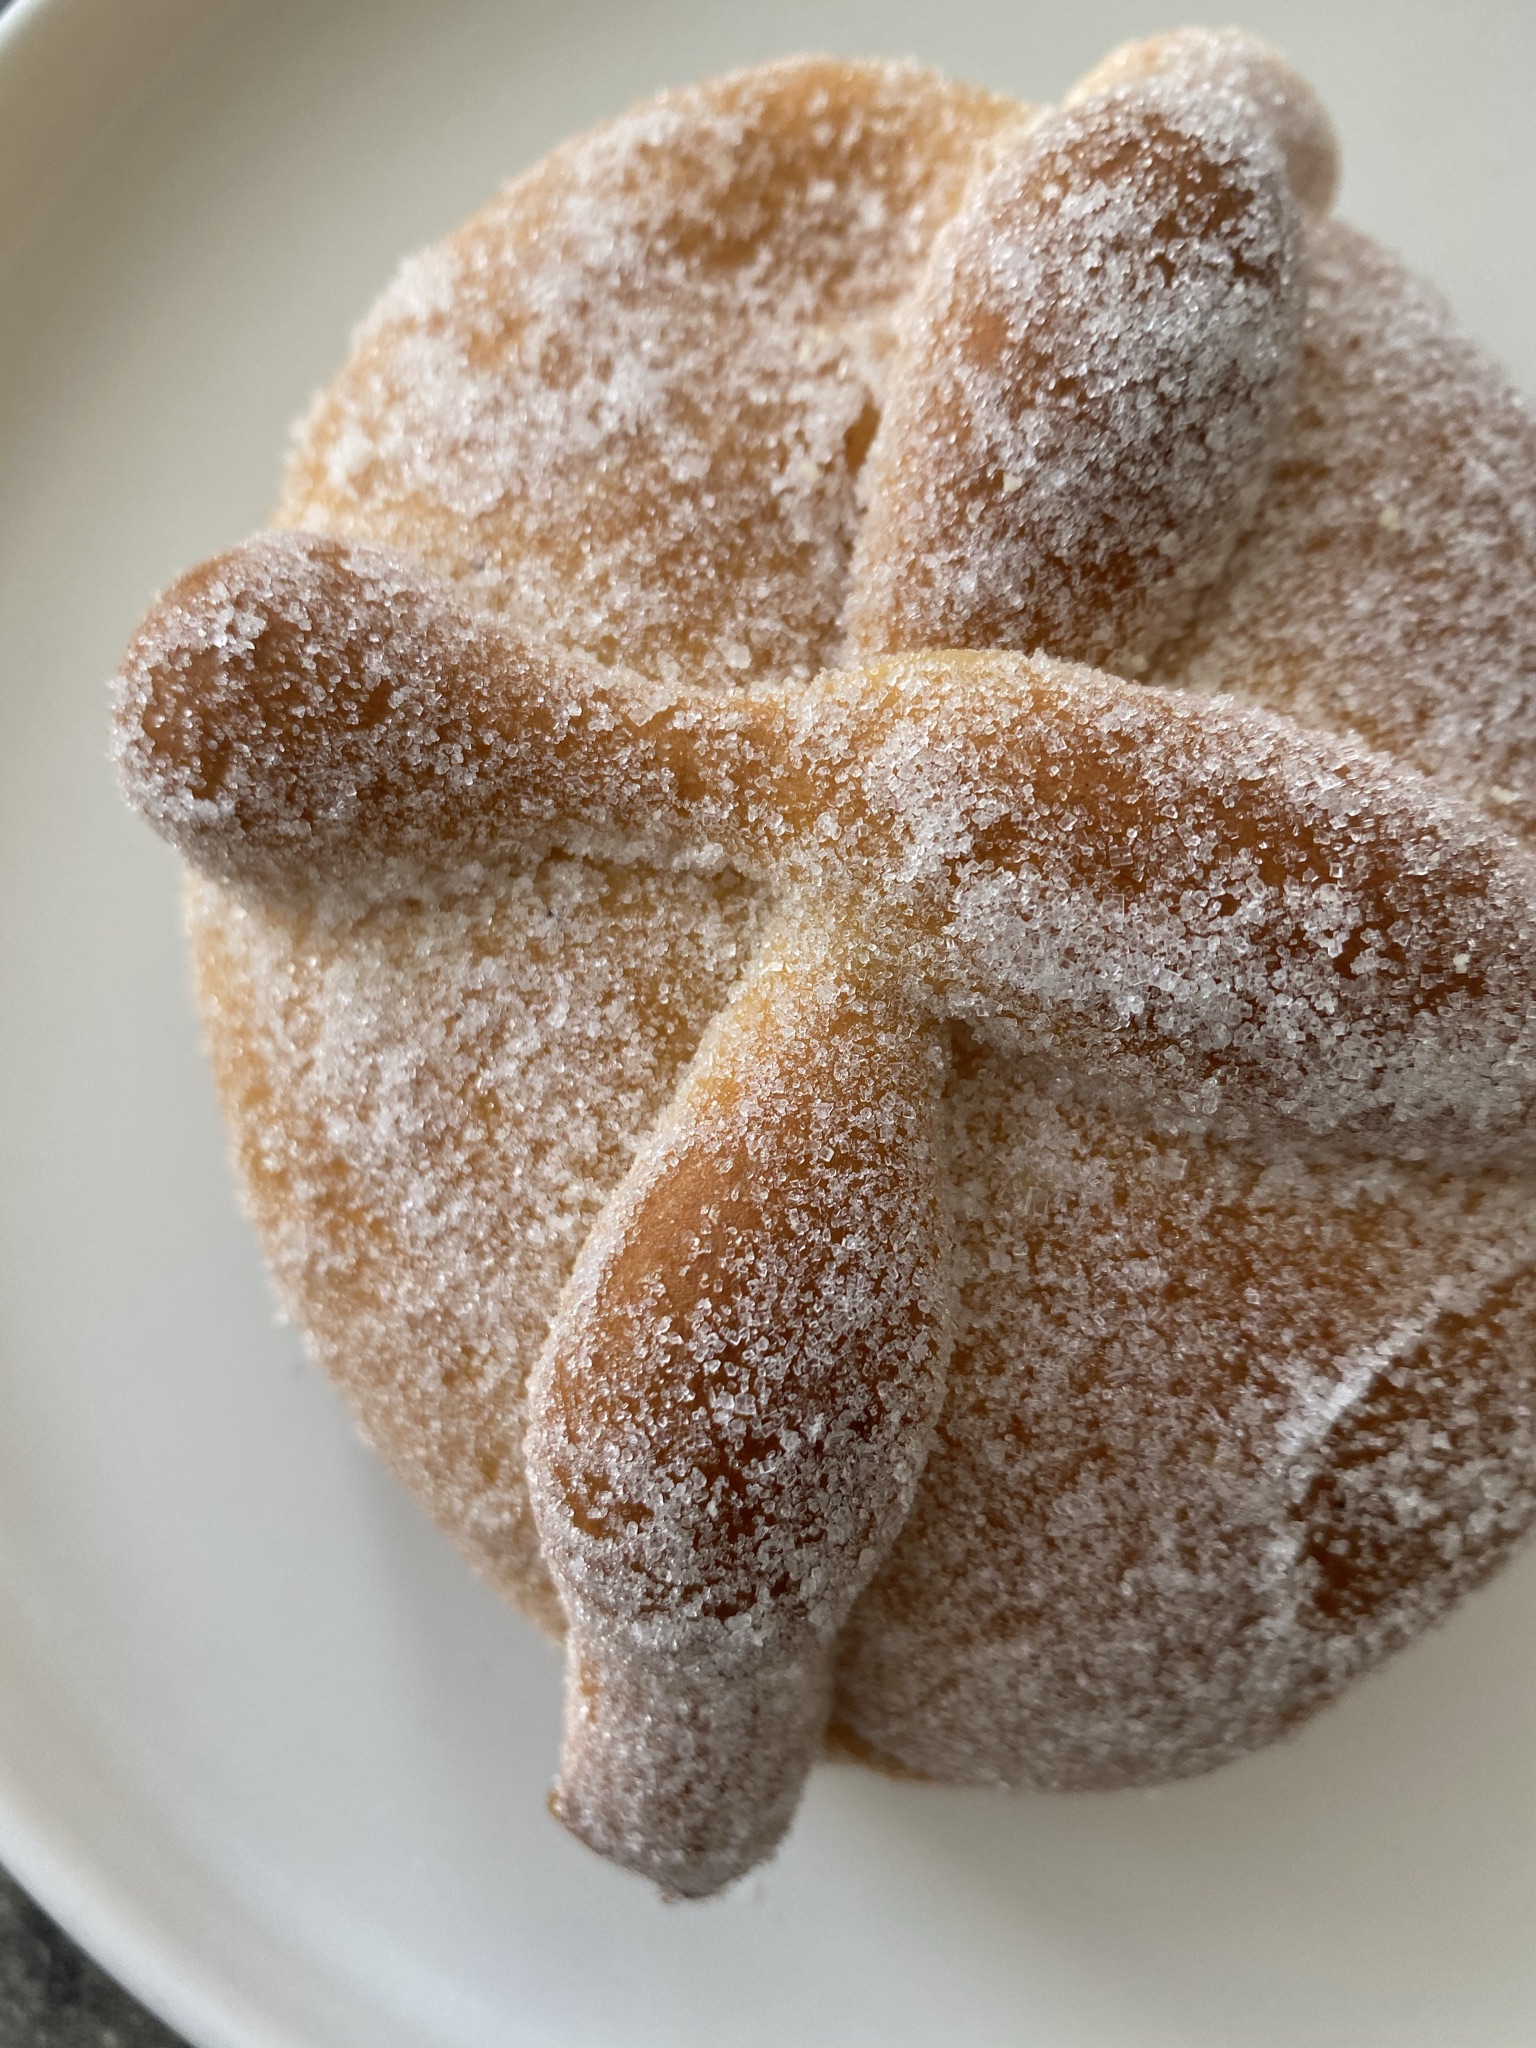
(861, 892)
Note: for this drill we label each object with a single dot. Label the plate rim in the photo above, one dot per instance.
(73, 1881)
(87, 1889)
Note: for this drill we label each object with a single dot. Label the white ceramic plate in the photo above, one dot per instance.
(264, 1744)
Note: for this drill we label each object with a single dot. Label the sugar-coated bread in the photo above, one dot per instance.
(861, 885)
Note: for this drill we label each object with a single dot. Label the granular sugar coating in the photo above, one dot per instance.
(1221, 1432)
(965, 1200)
(430, 1099)
(1240, 73)
(1090, 387)
(1386, 587)
(628, 402)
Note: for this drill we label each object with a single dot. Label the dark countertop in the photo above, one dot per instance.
(53, 1996)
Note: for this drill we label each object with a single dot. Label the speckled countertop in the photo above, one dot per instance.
(53, 1996)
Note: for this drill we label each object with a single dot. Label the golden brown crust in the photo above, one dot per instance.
(1232, 1020)
(1092, 384)
(628, 401)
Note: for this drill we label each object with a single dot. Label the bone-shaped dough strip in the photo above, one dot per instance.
(1091, 385)
(1236, 67)
(734, 1405)
(299, 710)
(1186, 900)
